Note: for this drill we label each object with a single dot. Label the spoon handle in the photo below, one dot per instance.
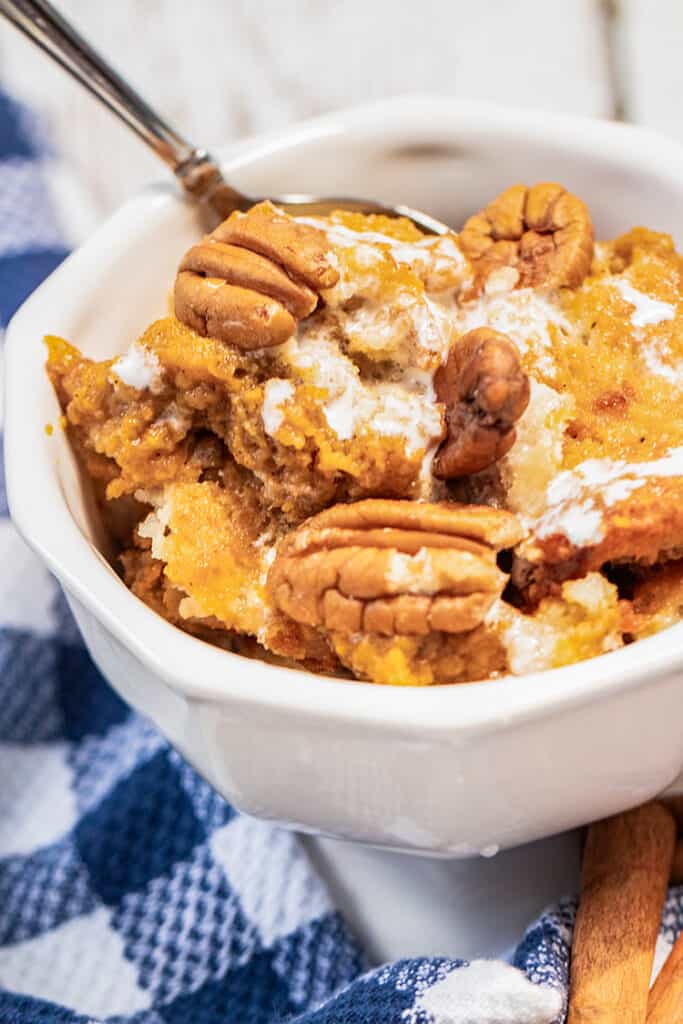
(195, 168)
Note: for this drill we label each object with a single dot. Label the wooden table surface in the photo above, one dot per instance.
(221, 69)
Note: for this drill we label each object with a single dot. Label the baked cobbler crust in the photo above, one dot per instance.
(404, 458)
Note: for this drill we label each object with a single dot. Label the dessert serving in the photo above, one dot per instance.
(403, 458)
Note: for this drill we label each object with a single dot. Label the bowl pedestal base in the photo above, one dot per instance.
(403, 906)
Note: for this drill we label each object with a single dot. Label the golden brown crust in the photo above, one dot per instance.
(645, 528)
(422, 660)
(544, 232)
(393, 567)
(485, 391)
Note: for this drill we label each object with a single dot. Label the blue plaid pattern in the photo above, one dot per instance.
(129, 890)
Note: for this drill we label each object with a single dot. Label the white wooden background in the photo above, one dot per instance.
(221, 69)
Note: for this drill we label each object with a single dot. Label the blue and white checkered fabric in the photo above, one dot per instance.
(129, 891)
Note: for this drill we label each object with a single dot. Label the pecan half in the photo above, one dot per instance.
(544, 232)
(485, 391)
(240, 316)
(393, 567)
(250, 280)
(301, 249)
(246, 269)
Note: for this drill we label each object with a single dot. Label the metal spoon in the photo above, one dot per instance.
(196, 170)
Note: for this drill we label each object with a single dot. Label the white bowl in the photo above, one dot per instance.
(451, 770)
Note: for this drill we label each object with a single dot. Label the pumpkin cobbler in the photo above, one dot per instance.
(399, 457)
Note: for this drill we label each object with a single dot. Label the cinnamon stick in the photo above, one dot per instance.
(624, 878)
(665, 1005)
(677, 864)
(675, 805)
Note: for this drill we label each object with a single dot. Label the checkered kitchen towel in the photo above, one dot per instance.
(129, 890)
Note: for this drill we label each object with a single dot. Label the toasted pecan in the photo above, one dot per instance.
(250, 280)
(246, 269)
(393, 567)
(303, 250)
(544, 232)
(485, 391)
(241, 316)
